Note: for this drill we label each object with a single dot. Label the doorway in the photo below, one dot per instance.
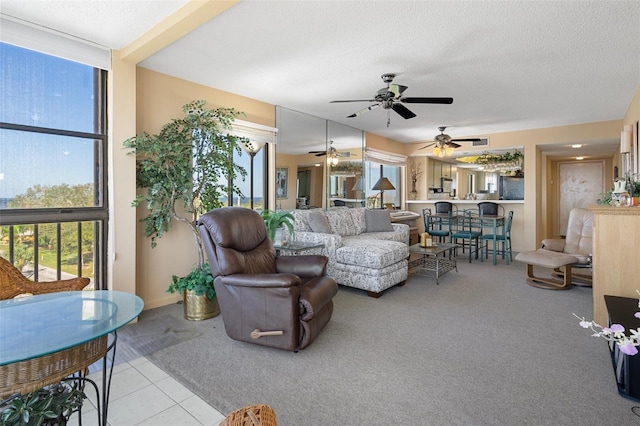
(580, 185)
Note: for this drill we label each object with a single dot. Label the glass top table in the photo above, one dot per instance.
(52, 337)
(34, 326)
(431, 263)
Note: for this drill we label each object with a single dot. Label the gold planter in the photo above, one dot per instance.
(197, 308)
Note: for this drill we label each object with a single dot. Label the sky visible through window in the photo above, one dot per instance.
(44, 91)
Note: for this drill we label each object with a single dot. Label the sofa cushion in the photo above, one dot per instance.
(359, 224)
(371, 253)
(318, 222)
(378, 220)
(301, 223)
(341, 221)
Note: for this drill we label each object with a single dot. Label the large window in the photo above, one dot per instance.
(373, 173)
(53, 207)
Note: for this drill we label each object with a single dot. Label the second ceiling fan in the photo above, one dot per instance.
(443, 144)
(390, 98)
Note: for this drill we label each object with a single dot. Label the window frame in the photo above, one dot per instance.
(99, 213)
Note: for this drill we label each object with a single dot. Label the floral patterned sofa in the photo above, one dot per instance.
(365, 250)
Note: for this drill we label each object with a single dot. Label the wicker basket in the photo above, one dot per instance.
(28, 376)
(251, 415)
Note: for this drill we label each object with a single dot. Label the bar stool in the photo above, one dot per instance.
(504, 239)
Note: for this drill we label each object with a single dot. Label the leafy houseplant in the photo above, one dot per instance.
(199, 280)
(276, 219)
(186, 170)
(51, 405)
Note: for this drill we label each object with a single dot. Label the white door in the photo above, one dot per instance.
(581, 184)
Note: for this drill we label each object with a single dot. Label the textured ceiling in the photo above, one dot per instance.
(508, 65)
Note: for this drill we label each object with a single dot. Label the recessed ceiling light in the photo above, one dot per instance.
(576, 145)
(317, 164)
(579, 158)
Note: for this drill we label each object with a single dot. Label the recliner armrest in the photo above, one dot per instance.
(553, 244)
(305, 266)
(260, 280)
(315, 295)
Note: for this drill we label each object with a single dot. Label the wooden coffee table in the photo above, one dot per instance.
(431, 263)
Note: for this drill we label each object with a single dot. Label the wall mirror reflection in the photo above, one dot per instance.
(490, 174)
(324, 160)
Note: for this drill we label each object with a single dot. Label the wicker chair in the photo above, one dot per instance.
(13, 283)
(251, 415)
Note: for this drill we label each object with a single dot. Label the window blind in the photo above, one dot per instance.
(44, 40)
(254, 132)
(386, 158)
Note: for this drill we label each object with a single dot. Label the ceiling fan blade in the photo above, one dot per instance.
(427, 100)
(363, 110)
(320, 154)
(397, 89)
(403, 111)
(453, 144)
(353, 100)
(466, 140)
(427, 146)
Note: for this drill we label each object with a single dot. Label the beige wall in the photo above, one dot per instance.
(121, 256)
(160, 98)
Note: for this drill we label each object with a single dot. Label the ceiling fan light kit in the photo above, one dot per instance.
(443, 144)
(391, 98)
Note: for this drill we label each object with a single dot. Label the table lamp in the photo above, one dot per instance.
(382, 185)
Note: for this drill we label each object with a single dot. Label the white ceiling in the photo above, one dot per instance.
(508, 65)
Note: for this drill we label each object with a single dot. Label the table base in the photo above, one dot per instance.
(432, 266)
(20, 378)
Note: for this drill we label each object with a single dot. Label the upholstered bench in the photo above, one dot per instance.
(561, 255)
(548, 259)
(370, 264)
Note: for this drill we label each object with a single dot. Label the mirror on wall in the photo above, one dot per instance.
(317, 161)
(492, 174)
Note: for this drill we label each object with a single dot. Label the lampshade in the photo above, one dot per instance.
(359, 186)
(332, 160)
(252, 147)
(383, 184)
(436, 151)
(449, 150)
(625, 141)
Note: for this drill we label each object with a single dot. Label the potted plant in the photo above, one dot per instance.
(51, 405)
(185, 170)
(199, 295)
(277, 220)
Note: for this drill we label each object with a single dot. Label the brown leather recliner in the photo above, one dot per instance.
(282, 302)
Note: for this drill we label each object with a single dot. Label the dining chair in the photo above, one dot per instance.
(438, 225)
(490, 208)
(467, 227)
(503, 239)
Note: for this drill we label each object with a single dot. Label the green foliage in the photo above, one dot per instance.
(200, 280)
(633, 188)
(606, 197)
(64, 195)
(186, 168)
(50, 405)
(274, 220)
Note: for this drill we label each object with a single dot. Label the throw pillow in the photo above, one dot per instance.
(378, 220)
(318, 222)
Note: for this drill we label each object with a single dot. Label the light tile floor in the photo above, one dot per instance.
(143, 394)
